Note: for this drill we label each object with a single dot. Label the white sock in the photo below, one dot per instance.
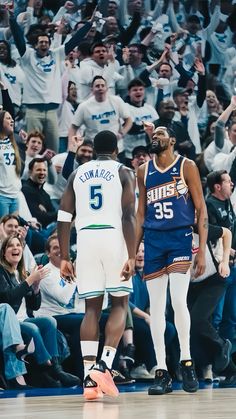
(89, 348)
(108, 355)
(87, 366)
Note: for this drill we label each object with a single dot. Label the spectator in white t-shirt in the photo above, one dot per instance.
(102, 63)
(42, 88)
(11, 75)
(140, 112)
(32, 15)
(102, 111)
(66, 113)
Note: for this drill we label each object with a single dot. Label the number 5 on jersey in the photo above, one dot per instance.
(96, 197)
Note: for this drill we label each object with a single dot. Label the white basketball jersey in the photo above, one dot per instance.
(98, 192)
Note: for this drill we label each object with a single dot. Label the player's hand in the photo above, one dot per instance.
(199, 264)
(199, 66)
(22, 232)
(111, 54)
(125, 55)
(223, 269)
(148, 128)
(60, 27)
(38, 273)
(69, 6)
(23, 136)
(75, 142)
(127, 270)
(33, 223)
(67, 270)
(3, 234)
(48, 154)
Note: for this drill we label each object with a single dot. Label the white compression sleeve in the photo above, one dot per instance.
(157, 289)
(179, 284)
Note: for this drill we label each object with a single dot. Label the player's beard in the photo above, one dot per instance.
(157, 147)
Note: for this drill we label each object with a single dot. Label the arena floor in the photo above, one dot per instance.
(133, 403)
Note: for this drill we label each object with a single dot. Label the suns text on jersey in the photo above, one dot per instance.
(161, 192)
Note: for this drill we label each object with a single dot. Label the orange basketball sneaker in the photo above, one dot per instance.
(91, 389)
(102, 376)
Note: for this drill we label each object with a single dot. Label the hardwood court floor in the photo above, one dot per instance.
(205, 404)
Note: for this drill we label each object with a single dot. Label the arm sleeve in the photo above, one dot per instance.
(201, 93)
(219, 134)
(144, 76)
(7, 103)
(26, 19)
(78, 37)
(18, 36)
(160, 96)
(214, 22)
(68, 165)
(127, 35)
(52, 174)
(172, 18)
(59, 14)
(184, 75)
(123, 108)
(123, 13)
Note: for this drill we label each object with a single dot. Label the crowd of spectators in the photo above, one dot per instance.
(68, 70)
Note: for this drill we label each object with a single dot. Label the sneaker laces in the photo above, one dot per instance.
(116, 373)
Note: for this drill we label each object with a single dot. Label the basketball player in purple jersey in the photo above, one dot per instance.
(170, 192)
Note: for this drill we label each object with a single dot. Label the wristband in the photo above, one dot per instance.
(64, 216)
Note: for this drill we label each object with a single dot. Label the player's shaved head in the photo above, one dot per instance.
(105, 142)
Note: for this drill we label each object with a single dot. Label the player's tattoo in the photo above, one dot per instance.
(205, 223)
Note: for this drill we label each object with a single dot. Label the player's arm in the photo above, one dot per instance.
(127, 178)
(223, 268)
(127, 125)
(72, 131)
(64, 219)
(141, 205)
(192, 178)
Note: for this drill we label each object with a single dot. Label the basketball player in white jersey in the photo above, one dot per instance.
(102, 194)
(169, 194)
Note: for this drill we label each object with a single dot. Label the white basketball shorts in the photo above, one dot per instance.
(101, 254)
